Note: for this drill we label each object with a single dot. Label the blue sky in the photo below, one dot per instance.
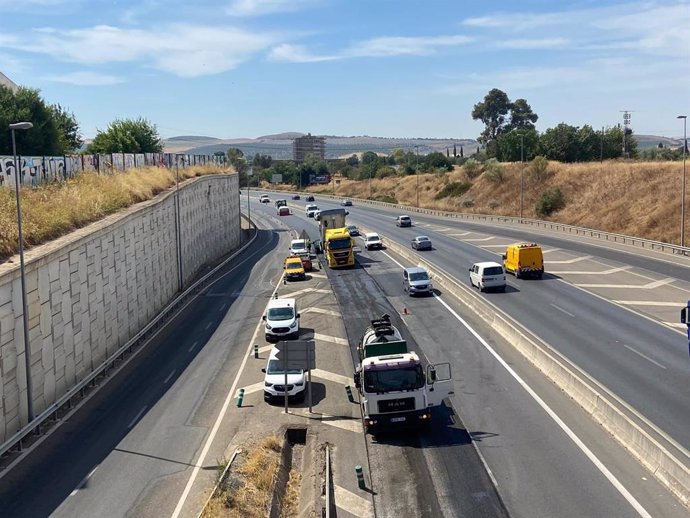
(390, 68)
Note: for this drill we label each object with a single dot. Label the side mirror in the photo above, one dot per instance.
(263, 370)
(347, 212)
(470, 269)
(297, 315)
(503, 256)
(263, 318)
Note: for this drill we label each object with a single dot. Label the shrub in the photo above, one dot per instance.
(385, 198)
(453, 189)
(493, 171)
(472, 168)
(469, 202)
(538, 170)
(550, 201)
(385, 172)
(493, 204)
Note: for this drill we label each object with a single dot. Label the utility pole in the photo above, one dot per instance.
(416, 171)
(682, 194)
(522, 171)
(626, 123)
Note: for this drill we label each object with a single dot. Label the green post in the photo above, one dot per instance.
(350, 397)
(360, 477)
(256, 350)
(240, 397)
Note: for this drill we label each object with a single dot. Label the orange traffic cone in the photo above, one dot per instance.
(405, 311)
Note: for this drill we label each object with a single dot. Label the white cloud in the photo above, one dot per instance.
(265, 7)
(86, 79)
(533, 43)
(183, 50)
(402, 45)
(296, 54)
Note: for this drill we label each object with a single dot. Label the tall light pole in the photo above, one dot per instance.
(682, 195)
(178, 225)
(522, 171)
(416, 170)
(20, 238)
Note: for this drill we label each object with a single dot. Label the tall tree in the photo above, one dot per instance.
(492, 112)
(27, 105)
(560, 143)
(68, 129)
(516, 144)
(521, 116)
(128, 136)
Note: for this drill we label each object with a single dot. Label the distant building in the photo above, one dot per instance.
(308, 145)
(6, 81)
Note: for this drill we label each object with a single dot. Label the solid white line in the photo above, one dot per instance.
(169, 376)
(563, 310)
(644, 356)
(649, 303)
(136, 418)
(83, 481)
(191, 348)
(578, 442)
(228, 399)
(209, 325)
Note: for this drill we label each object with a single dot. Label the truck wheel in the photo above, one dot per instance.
(517, 274)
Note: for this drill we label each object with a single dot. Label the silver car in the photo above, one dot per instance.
(421, 243)
(416, 280)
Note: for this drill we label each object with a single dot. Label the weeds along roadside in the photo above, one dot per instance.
(50, 211)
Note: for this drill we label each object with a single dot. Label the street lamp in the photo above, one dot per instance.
(20, 238)
(682, 195)
(416, 170)
(522, 172)
(178, 226)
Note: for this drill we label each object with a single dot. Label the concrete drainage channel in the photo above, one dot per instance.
(670, 469)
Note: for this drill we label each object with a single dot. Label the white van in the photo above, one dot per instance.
(488, 276)
(299, 246)
(282, 319)
(274, 380)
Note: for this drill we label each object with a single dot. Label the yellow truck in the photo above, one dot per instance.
(338, 248)
(524, 260)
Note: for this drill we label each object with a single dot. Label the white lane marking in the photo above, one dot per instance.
(578, 442)
(349, 423)
(264, 349)
(563, 310)
(169, 376)
(675, 324)
(353, 503)
(603, 272)
(551, 250)
(191, 347)
(461, 234)
(317, 275)
(570, 261)
(679, 305)
(321, 311)
(332, 339)
(477, 239)
(648, 286)
(228, 399)
(306, 290)
(331, 376)
(136, 418)
(222, 307)
(83, 481)
(209, 325)
(644, 356)
(494, 246)
(250, 389)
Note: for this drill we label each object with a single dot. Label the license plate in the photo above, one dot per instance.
(397, 419)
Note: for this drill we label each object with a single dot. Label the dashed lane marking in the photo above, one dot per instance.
(136, 418)
(332, 339)
(83, 482)
(649, 303)
(352, 503)
(563, 310)
(169, 376)
(321, 311)
(643, 356)
(648, 286)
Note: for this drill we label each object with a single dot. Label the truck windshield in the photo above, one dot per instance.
(340, 244)
(299, 245)
(280, 313)
(276, 367)
(398, 378)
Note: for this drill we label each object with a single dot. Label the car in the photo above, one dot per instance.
(264, 198)
(403, 221)
(306, 261)
(488, 275)
(282, 319)
(294, 269)
(346, 203)
(416, 280)
(353, 230)
(299, 246)
(317, 215)
(295, 197)
(311, 210)
(274, 380)
(372, 240)
(309, 198)
(283, 211)
(421, 243)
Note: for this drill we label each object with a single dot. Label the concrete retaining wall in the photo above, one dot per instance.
(89, 292)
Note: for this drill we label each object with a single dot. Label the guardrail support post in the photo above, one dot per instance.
(350, 397)
(240, 397)
(360, 477)
(256, 350)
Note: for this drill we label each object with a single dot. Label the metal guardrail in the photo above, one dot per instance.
(538, 223)
(179, 303)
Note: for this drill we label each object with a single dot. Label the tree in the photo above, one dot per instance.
(510, 147)
(560, 143)
(353, 161)
(492, 112)
(521, 116)
(128, 136)
(588, 144)
(69, 134)
(27, 105)
(436, 160)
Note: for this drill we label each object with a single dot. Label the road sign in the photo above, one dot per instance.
(299, 354)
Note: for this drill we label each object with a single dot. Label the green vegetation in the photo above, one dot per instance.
(128, 136)
(493, 171)
(453, 189)
(550, 201)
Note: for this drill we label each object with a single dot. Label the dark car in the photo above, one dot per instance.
(421, 243)
(353, 230)
(295, 196)
(309, 198)
(346, 203)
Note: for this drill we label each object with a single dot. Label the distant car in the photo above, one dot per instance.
(283, 211)
(311, 210)
(264, 198)
(372, 240)
(353, 230)
(346, 203)
(421, 243)
(403, 221)
(416, 280)
(488, 276)
(295, 196)
(294, 269)
(309, 198)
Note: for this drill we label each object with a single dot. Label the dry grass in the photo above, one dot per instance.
(258, 473)
(634, 198)
(291, 500)
(53, 210)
